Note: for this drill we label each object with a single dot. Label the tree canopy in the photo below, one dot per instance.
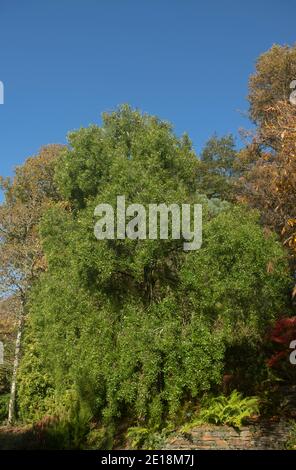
(135, 332)
(132, 329)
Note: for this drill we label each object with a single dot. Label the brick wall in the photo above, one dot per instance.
(268, 436)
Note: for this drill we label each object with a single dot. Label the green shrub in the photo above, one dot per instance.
(4, 400)
(291, 441)
(231, 410)
(145, 438)
(67, 429)
(100, 438)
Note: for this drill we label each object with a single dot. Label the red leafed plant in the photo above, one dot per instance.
(283, 332)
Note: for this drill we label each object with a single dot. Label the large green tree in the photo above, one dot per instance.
(135, 328)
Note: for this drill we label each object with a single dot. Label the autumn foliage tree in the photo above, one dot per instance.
(27, 196)
(269, 160)
(270, 83)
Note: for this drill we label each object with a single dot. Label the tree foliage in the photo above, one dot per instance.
(27, 196)
(134, 328)
(275, 70)
(268, 182)
(218, 172)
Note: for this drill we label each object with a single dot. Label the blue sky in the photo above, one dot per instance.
(64, 62)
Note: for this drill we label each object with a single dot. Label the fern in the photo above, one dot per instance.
(232, 410)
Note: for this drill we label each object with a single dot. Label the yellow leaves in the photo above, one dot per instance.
(291, 222)
(31, 192)
(270, 183)
(291, 241)
(266, 156)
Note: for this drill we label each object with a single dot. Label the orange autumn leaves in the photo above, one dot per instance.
(270, 182)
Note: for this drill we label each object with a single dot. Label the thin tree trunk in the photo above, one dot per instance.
(12, 401)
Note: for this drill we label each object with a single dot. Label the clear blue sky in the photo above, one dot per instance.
(64, 62)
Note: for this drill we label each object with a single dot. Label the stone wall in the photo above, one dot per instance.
(264, 436)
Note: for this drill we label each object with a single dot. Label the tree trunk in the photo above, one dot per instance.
(12, 401)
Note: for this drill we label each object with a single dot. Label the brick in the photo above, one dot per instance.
(265, 435)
